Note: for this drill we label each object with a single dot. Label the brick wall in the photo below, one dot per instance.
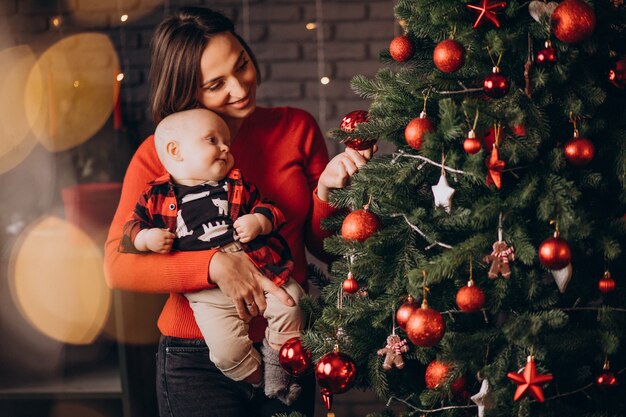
(353, 34)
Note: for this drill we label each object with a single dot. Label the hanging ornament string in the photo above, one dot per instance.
(500, 227)
(495, 64)
(528, 67)
(425, 290)
(321, 61)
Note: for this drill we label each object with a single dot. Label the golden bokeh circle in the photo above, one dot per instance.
(71, 90)
(57, 281)
(16, 139)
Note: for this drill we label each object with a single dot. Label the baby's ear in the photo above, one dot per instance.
(173, 150)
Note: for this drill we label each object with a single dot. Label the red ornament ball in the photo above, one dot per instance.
(470, 298)
(335, 373)
(294, 358)
(437, 373)
(617, 74)
(416, 129)
(401, 48)
(519, 130)
(405, 311)
(349, 123)
(573, 21)
(360, 225)
(449, 56)
(471, 145)
(546, 57)
(555, 253)
(579, 151)
(425, 327)
(606, 283)
(496, 85)
(350, 285)
(606, 379)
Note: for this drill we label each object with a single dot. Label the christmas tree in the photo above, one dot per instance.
(481, 270)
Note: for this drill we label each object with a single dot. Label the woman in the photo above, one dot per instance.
(197, 60)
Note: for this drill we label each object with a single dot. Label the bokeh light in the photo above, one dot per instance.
(71, 90)
(57, 281)
(16, 138)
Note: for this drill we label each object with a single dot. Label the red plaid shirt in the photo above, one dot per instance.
(158, 207)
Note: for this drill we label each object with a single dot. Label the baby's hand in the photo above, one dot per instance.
(250, 226)
(157, 240)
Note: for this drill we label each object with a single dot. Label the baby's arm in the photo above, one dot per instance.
(250, 226)
(155, 240)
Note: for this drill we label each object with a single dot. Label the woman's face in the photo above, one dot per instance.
(228, 78)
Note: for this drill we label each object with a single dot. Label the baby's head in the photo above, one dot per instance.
(194, 146)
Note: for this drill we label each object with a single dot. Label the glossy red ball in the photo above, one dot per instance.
(555, 253)
(606, 284)
(496, 85)
(405, 311)
(350, 285)
(349, 123)
(401, 48)
(573, 21)
(546, 57)
(449, 56)
(335, 373)
(360, 225)
(617, 74)
(470, 298)
(425, 327)
(294, 358)
(579, 151)
(471, 145)
(415, 131)
(606, 379)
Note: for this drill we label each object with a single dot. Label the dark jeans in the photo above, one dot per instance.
(189, 385)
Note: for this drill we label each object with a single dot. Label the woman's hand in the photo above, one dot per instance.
(238, 278)
(339, 170)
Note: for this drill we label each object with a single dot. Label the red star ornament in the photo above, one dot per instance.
(487, 10)
(529, 382)
(494, 168)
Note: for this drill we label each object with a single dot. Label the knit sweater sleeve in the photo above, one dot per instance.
(155, 273)
(317, 159)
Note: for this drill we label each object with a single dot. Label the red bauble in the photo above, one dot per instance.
(437, 373)
(579, 151)
(449, 56)
(335, 373)
(495, 84)
(470, 298)
(617, 74)
(350, 285)
(554, 253)
(405, 311)
(416, 129)
(401, 48)
(471, 145)
(349, 123)
(573, 21)
(546, 57)
(606, 283)
(519, 130)
(360, 225)
(425, 327)
(606, 379)
(294, 357)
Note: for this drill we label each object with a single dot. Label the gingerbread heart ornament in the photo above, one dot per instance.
(539, 9)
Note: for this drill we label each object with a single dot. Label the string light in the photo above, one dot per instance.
(124, 17)
(56, 21)
(311, 26)
(76, 83)
(324, 80)
(120, 76)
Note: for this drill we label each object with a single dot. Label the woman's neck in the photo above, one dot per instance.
(234, 125)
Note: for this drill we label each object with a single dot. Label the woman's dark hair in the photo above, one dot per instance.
(175, 52)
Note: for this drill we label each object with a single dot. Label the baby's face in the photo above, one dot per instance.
(206, 148)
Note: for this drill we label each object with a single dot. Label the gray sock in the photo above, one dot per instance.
(278, 383)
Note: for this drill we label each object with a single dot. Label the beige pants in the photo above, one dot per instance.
(226, 334)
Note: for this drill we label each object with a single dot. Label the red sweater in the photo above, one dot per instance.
(282, 151)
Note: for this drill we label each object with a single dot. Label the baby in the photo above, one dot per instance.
(204, 203)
